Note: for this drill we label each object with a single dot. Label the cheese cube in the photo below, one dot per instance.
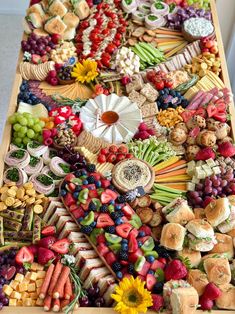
(19, 303)
(24, 295)
(39, 282)
(195, 180)
(190, 186)
(33, 276)
(33, 295)
(211, 163)
(16, 295)
(27, 275)
(7, 290)
(26, 281)
(207, 170)
(36, 266)
(14, 284)
(41, 274)
(33, 302)
(31, 287)
(200, 173)
(216, 170)
(27, 302)
(23, 287)
(12, 302)
(38, 290)
(19, 277)
(199, 163)
(39, 302)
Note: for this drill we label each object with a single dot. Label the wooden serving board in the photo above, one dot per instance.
(6, 138)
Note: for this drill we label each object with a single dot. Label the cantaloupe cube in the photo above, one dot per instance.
(12, 302)
(7, 290)
(33, 302)
(33, 276)
(33, 295)
(27, 275)
(38, 290)
(26, 281)
(16, 295)
(41, 274)
(27, 302)
(19, 277)
(14, 284)
(23, 287)
(39, 282)
(31, 287)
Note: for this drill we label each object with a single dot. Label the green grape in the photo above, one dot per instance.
(26, 140)
(15, 134)
(27, 115)
(12, 119)
(42, 123)
(23, 130)
(18, 140)
(21, 135)
(22, 121)
(30, 133)
(30, 122)
(37, 128)
(16, 127)
(36, 120)
(40, 138)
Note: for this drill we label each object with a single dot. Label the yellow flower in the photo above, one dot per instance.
(132, 297)
(85, 71)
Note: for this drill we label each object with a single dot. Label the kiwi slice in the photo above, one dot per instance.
(151, 253)
(94, 234)
(83, 196)
(88, 219)
(136, 221)
(97, 203)
(148, 245)
(115, 247)
(139, 263)
(112, 238)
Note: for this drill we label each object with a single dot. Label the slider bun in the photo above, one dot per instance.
(55, 26)
(184, 300)
(71, 20)
(225, 226)
(199, 213)
(231, 233)
(218, 270)
(36, 8)
(181, 214)
(57, 8)
(194, 256)
(217, 211)
(40, 32)
(26, 27)
(224, 245)
(69, 34)
(198, 280)
(172, 236)
(227, 299)
(213, 255)
(200, 228)
(231, 199)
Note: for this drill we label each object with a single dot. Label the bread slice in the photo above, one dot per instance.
(55, 25)
(57, 8)
(69, 33)
(180, 212)
(36, 8)
(35, 19)
(184, 300)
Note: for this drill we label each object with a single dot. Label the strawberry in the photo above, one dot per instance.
(33, 249)
(45, 255)
(105, 183)
(24, 255)
(111, 158)
(133, 233)
(212, 292)
(47, 242)
(49, 231)
(61, 246)
(226, 149)
(104, 220)
(102, 249)
(107, 196)
(110, 258)
(206, 304)
(128, 211)
(205, 153)
(158, 302)
(146, 229)
(133, 244)
(36, 59)
(101, 158)
(69, 177)
(134, 256)
(150, 281)
(175, 270)
(113, 194)
(123, 230)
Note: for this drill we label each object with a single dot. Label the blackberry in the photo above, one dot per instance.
(111, 187)
(121, 199)
(158, 287)
(86, 229)
(114, 215)
(131, 269)
(104, 208)
(163, 252)
(78, 188)
(92, 206)
(123, 255)
(78, 173)
(91, 180)
(116, 267)
(110, 229)
(91, 168)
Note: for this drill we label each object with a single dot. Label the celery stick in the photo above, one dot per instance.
(165, 188)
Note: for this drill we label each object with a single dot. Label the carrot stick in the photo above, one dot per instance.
(59, 287)
(171, 174)
(47, 303)
(56, 305)
(68, 290)
(176, 164)
(54, 278)
(64, 303)
(47, 279)
(178, 186)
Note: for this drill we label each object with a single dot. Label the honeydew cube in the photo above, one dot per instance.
(27, 302)
(36, 266)
(216, 170)
(33, 276)
(33, 295)
(14, 284)
(7, 290)
(31, 287)
(24, 295)
(41, 274)
(12, 302)
(16, 295)
(39, 282)
(39, 302)
(19, 277)
(211, 163)
(191, 186)
(23, 287)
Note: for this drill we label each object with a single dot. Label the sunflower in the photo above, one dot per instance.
(132, 297)
(85, 71)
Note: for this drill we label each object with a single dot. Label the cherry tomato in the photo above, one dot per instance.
(121, 29)
(168, 83)
(99, 6)
(95, 46)
(78, 38)
(106, 6)
(117, 42)
(111, 24)
(151, 75)
(96, 15)
(105, 62)
(65, 111)
(118, 36)
(106, 56)
(112, 15)
(99, 21)
(110, 48)
(159, 85)
(91, 54)
(106, 31)
(94, 37)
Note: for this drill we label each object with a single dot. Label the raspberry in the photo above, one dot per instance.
(175, 270)
(143, 126)
(158, 302)
(212, 292)
(206, 304)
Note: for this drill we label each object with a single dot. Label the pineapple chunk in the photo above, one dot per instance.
(12, 302)
(19, 277)
(33, 276)
(23, 287)
(36, 266)
(7, 290)
(39, 282)
(31, 287)
(16, 295)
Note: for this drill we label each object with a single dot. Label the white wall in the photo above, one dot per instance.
(13, 6)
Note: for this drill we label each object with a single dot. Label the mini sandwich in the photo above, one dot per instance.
(107, 295)
(68, 227)
(105, 282)
(55, 25)
(218, 211)
(172, 236)
(69, 33)
(227, 299)
(201, 236)
(198, 280)
(71, 20)
(77, 237)
(56, 216)
(218, 270)
(224, 245)
(82, 256)
(36, 8)
(81, 246)
(168, 288)
(35, 19)
(27, 26)
(231, 233)
(95, 275)
(193, 256)
(178, 211)
(229, 223)
(40, 32)
(51, 209)
(81, 9)
(184, 300)
(88, 266)
(57, 8)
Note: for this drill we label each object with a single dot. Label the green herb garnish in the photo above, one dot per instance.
(18, 154)
(152, 17)
(128, 2)
(33, 161)
(53, 176)
(13, 174)
(159, 5)
(186, 261)
(55, 193)
(52, 154)
(34, 145)
(44, 179)
(172, 7)
(65, 168)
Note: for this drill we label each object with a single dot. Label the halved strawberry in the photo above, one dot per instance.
(33, 249)
(133, 244)
(134, 256)
(36, 59)
(123, 230)
(24, 255)
(96, 175)
(128, 211)
(61, 246)
(150, 281)
(69, 200)
(113, 194)
(47, 242)
(211, 110)
(101, 238)
(110, 258)
(102, 249)
(134, 232)
(105, 183)
(45, 255)
(49, 231)
(71, 187)
(201, 112)
(145, 269)
(105, 198)
(104, 220)
(93, 193)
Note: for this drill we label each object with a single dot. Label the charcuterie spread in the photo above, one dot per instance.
(118, 184)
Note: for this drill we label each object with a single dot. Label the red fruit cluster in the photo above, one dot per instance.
(113, 154)
(209, 45)
(48, 136)
(144, 132)
(52, 78)
(159, 79)
(211, 293)
(175, 270)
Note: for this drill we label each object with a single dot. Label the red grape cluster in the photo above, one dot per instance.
(76, 160)
(220, 185)
(40, 45)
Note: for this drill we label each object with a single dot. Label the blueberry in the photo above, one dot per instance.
(79, 219)
(118, 221)
(93, 224)
(150, 259)
(78, 188)
(151, 272)
(75, 195)
(125, 247)
(124, 241)
(84, 182)
(161, 92)
(98, 184)
(158, 287)
(83, 172)
(166, 91)
(139, 244)
(119, 274)
(112, 202)
(22, 88)
(118, 207)
(63, 192)
(141, 234)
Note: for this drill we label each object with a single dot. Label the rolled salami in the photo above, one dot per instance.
(42, 183)
(17, 157)
(15, 174)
